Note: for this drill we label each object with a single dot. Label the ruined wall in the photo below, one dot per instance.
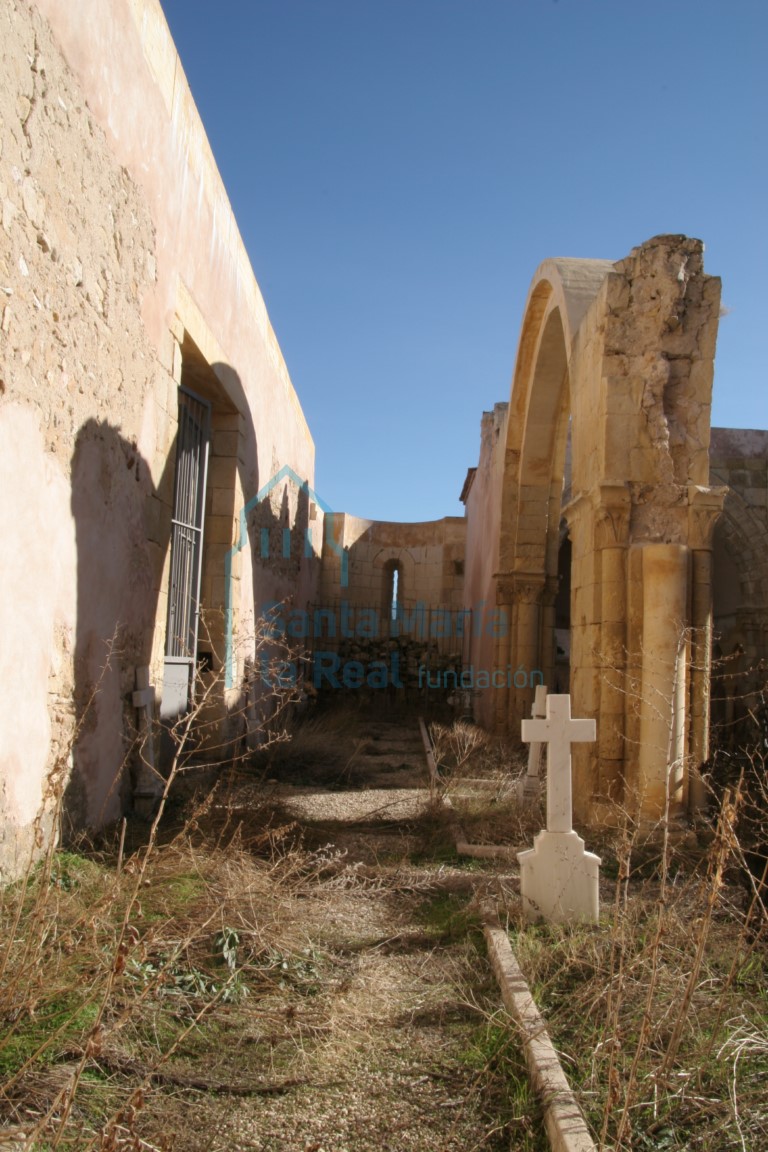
(121, 272)
(431, 554)
(482, 500)
(739, 459)
(618, 357)
(641, 524)
(427, 628)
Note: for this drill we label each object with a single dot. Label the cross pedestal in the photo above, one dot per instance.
(529, 786)
(558, 878)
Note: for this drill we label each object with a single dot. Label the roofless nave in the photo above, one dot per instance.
(142, 411)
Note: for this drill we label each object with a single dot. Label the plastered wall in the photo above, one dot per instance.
(122, 274)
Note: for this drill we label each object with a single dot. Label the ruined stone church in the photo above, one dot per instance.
(158, 472)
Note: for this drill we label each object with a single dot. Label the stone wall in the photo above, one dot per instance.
(431, 555)
(739, 459)
(122, 276)
(357, 592)
(614, 372)
(481, 496)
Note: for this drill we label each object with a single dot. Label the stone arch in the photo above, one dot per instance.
(534, 467)
(622, 354)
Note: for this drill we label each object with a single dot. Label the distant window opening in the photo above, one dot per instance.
(392, 590)
(395, 583)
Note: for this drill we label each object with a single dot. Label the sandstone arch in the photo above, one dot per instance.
(623, 353)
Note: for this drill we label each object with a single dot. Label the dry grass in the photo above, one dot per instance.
(234, 978)
(478, 775)
(222, 984)
(661, 1012)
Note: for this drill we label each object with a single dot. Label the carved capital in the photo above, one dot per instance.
(529, 587)
(613, 504)
(607, 511)
(704, 508)
(505, 588)
(519, 587)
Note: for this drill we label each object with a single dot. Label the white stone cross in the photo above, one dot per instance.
(559, 880)
(558, 731)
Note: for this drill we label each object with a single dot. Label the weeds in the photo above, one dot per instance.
(477, 774)
(661, 1011)
(144, 985)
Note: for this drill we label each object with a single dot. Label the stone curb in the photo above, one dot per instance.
(563, 1120)
(566, 1128)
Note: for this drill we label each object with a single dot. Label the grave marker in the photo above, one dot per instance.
(558, 878)
(529, 786)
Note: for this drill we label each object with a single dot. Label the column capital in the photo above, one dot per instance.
(505, 587)
(608, 508)
(519, 587)
(704, 508)
(613, 506)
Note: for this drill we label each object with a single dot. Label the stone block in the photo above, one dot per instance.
(221, 502)
(225, 443)
(559, 880)
(756, 497)
(221, 472)
(219, 530)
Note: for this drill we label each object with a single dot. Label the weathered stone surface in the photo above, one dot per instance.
(107, 249)
(625, 351)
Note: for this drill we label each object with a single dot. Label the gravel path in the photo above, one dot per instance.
(414, 1050)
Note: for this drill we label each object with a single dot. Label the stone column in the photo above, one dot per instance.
(503, 651)
(663, 681)
(704, 507)
(611, 541)
(526, 651)
(548, 598)
(579, 516)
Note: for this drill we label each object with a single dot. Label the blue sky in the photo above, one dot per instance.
(399, 168)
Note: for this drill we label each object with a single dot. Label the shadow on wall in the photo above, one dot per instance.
(123, 534)
(111, 483)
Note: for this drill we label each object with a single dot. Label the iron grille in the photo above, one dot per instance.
(187, 526)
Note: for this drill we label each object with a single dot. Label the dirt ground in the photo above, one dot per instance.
(298, 966)
(414, 1052)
